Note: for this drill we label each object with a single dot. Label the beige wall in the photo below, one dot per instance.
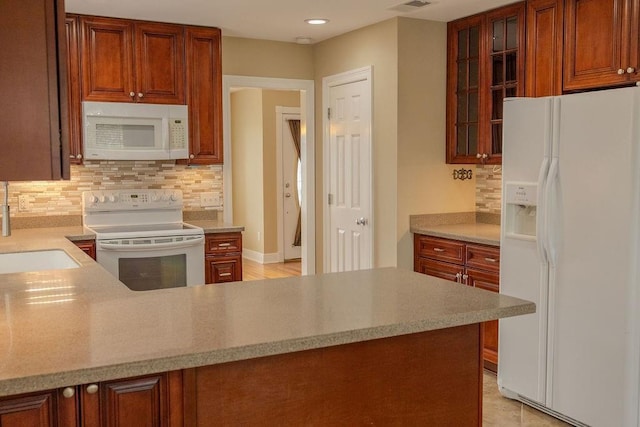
(263, 58)
(270, 100)
(425, 182)
(375, 45)
(248, 197)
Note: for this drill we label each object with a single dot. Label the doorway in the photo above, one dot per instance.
(307, 205)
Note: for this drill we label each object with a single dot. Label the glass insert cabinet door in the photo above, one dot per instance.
(485, 65)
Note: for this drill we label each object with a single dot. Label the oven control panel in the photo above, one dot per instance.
(121, 200)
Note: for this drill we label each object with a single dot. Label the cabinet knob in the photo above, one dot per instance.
(485, 155)
(132, 94)
(68, 392)
(140, 94)
(79, 156)
(191, 156)
(92, 388)
(464, 278)
(458, 277)
(71, 156)
(631, 70)
(478, 156)
(620, 71)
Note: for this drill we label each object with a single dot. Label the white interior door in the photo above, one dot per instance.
(291, 188)
(349, 155)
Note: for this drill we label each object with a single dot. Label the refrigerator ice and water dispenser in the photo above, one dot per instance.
(521, 206)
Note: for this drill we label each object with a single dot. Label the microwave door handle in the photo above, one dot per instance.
(151, 246)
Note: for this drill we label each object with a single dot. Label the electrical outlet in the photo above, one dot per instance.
(23, 203)
(259, 236)
(208, 200)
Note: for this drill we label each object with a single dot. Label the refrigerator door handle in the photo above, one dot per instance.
(550, 214)
(541, 234)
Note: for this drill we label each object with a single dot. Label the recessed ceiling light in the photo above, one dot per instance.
(316, 21)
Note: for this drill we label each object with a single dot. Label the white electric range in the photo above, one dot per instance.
(142, 240)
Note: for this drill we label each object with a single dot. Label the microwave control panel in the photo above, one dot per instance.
(177, 133)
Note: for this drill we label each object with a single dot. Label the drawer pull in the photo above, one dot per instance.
(225, 274)
(438, 250)
(224, 244)
(490, 259)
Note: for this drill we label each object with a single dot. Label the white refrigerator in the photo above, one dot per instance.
(570, 243)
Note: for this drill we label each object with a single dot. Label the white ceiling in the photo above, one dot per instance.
(281, 20)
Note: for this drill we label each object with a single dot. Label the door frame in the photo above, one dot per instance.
(352, 76)
(280, 112)
(307, 153)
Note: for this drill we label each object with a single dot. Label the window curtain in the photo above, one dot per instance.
(294, 126)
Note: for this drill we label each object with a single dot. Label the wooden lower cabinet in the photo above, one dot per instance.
(223, 257)
(470, 264)
(152, 400)
(87, 246)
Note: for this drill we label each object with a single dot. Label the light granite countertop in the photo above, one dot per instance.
(486, 234)
(76, 326)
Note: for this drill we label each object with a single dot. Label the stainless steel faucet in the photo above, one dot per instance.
(6, 224)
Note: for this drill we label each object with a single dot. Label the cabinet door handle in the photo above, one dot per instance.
(464, 278)
(478, 156)
(224, 244)
(438, 250)
(620, 71)
(484, 156)
(132, 94)
(92, 388)
(458, 277)
(191, 156)
(225, 274)
(630, 70)
(68, 392)
(140, 94)
(79, 156)
(490, 259)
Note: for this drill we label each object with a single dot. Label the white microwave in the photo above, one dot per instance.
(128, 131)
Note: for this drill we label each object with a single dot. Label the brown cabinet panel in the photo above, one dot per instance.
(597, 43)
(439, 269)
(74, 90)
(88, 246)
(489, 282)
(36, 410)
(440, 249)
(204, 95)
(159, 63)
(34, 125)
(107, 59)
(544, 29)
(223, 257)
(483, 257)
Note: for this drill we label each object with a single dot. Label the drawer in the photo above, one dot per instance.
(222, 243)
(223, 269)
(443, 270)
(483, 257)
(440, 249)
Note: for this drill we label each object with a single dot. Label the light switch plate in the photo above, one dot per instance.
(208, 200)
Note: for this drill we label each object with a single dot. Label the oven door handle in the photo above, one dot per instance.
(152, 246)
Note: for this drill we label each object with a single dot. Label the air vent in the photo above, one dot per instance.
(410, 6)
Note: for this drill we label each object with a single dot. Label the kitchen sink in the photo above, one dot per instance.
(22, 262)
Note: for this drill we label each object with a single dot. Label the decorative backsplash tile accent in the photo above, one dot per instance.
(488, 189)
(64, 197)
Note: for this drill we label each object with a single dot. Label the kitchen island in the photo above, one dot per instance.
(382, 346)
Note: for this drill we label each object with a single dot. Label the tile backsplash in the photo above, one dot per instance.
(488, 189)
(48, 198)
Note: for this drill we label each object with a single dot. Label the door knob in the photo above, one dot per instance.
(287, 195)
(361, 221)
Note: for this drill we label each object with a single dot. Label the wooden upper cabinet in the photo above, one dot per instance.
(544, 28)
(34, 124)
(601, 43)
(129, 61)
(204, 94)
(74, 90)
(485, 65)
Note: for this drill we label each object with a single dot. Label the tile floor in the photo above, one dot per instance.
(498, 411)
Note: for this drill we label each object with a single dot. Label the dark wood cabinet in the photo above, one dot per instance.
(34, 124)
(152, 400)
(601, 43)
(485, 65)
(74, 90)
(204, 95)
(87, 246)
(545, 31)
(469, 264)
(223, 257)
(132, 61)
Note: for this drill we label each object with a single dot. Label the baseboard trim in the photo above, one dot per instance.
(259, 257)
